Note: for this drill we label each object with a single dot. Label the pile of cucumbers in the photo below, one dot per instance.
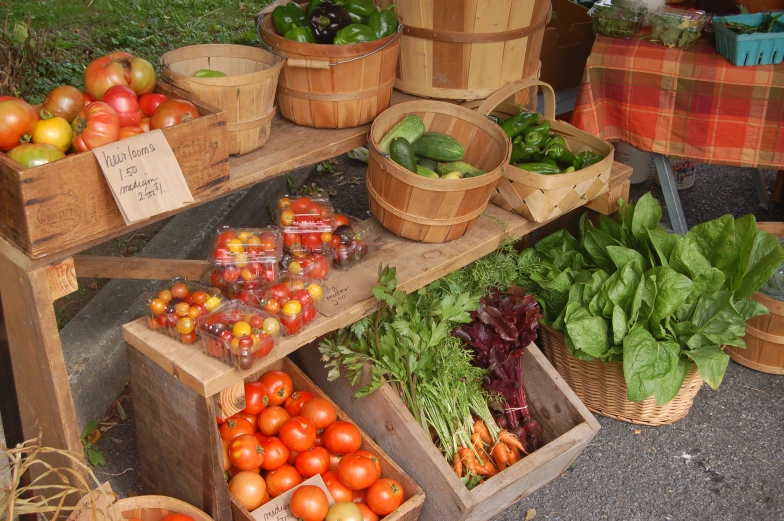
(429, 154)
(536, 149)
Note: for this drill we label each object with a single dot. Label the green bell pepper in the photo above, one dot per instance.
(301, 34)
(538, 135)
(354, 33)
(359, 8)
(284, 17)
(384, 22)
(516, 125)
(540, 168)
(313, 4)
(522, 153)
(496, 119)
(209, 73)
(560, 153)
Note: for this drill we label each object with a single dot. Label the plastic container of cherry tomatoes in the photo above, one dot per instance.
(244, 257)
(180, 306)
(350, 243)
(295, 300)
(239, 335)
(311, 265)
(306, 223)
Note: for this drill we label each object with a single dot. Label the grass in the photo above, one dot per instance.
(68, 34)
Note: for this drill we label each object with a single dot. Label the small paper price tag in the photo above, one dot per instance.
(144, 176)
(347, 289)
(278, 509)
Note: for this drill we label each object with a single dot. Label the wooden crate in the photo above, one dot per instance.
(568, 427)
(180, 446)
(52, 207)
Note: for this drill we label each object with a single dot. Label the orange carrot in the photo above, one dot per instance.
(481, 428)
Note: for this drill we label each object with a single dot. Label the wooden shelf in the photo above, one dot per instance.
(418, 264)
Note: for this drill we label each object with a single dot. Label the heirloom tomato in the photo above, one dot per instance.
(96, 125)
(149, 102)
(173, 112)
(30, 155)
(17, 123)
(129, 132)
(63, 101)
(124, 101)
(55, 131)
(118, 68)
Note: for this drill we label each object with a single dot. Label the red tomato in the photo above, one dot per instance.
(224, 238)
(249, 489)
(385, 496)
(96, 125)
(290, 240)
(30, 155)
(87, 99)
(341, 220)
(129, 132)
(124, 101)
(359, 496)
(292, 460)
(276, 454)
(296, 401)
(301, 205)
(309, 503)
(145, 124)
(334, 459)
(311, 241)
(245, 452)
(367, 513)
(319, 411)
(282, 479)
(118, 68)
(235, 427)
(176, 517)
(173, 112)
(312, 462)
(142, 76)
(271, 419)
(375, 459)
(255, 397)
(298, 434)
(342, 438)
(17, 120)
(356, 471)
(308, 313)
(292, 324)
(226, 457)
(337, 489)
(279, 385)
(188, 338)
(149, 102)
(335, 241)
(63, 101)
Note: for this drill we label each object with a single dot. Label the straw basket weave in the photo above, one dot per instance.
(602, 388)
(333, 86)
(246, 94)
(540, 197)
(461, 49)
(765, 334)
(435, 210)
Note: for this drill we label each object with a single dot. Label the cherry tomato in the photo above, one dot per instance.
(283, 202)
(173, 112)
(298, 434)
(341, 220)
(342, 438)
(63, 101)
(301, 205)
(312, 462)
(282, 479)
(255, 398)
(157, 306)
(290, 240)
(275, 453)
(367, 513)
(245, 452)
(279, 385)
(235, 427)
(335, 241)
(182, 309)
(266, 343)
(186, 325)
(271, 419)
(311, 241)
(249, 489)
(97, 124)
(54, 131)
(316, 293)
(179, 290)
(337, 489)
(241, 329)
(165, 295)
(295, 402)
(292, 308)
(225, 237)
(309, 503)
(230, 274)
(385, 496)
(188, 338)
(320, 412)
(356, 471)
(292, 324)
(280, 292)
(271, 326)
(287, 217)
(17, 120)
(271, 306)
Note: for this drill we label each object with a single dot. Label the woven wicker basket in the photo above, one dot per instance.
(540, 197)
(602, 388)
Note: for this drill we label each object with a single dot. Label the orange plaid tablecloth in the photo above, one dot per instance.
(690, 103)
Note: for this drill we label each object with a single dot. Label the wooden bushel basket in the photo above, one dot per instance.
(765, 334)
(154, 508)
(246, 94)
(460, 49)
(540, 197)
(333, 86)
(602, 387)
(434, 210)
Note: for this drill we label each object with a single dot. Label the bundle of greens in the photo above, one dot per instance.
(677, 27)
(635, 292)
(618, 18)
(767, 25)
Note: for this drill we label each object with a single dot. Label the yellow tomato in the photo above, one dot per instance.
(185, 325)
(212, 303)
(284, 202)
(247, 274)
(253, 239)
(315, 292)
(295, 268)
(287, 217)
(235, 246)
(240, 259)
(292, 308)
(241, 329)
(244, 236)
(271, 326)
(55, 131)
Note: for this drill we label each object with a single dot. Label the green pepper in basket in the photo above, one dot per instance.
(585, 159)
(498, 121)
(518, 124)
(359, 10)
(540, 168)
(522, 153)
(556, 140)
(354, 33)
(301, 34)
(384, 22)
(560, 153)
(538, 135)
(209, 73)
(284, 17)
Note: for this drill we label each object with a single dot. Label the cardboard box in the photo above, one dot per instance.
(567, 43)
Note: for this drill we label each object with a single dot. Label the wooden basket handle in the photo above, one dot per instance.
(506, 91)
(308, 64)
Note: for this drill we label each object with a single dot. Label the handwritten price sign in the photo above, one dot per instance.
(144, 176)
(346, 290)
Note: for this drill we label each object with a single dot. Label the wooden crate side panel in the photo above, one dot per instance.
(178, 443)
(13, 220)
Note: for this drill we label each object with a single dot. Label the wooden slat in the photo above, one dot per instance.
(139, 268)
(417, 264)
(62, 278)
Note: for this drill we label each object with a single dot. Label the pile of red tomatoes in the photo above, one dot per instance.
(118, 102)
(283, 437)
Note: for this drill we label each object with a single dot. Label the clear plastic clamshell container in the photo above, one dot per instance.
(677, 27)
(618, 18)
(312, 265)
(306, 222)
(240, 335)
(350, 244)
(244, 258)
(179, 306)
(295, 300)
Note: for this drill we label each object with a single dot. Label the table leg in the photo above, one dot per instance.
(779, 186)
(671, 197)
(762, 188)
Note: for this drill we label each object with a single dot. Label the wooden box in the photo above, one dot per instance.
(66, 204)
(568, 427)
(180, 447)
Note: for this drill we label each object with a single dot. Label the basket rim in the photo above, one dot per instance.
(270, 73)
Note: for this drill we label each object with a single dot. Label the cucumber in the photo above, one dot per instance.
(411, 127)
(439, 146)
(426, 172)
(402, 153)
(459, 166)
(427, 163)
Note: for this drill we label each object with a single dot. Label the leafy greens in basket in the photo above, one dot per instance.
(658, 301)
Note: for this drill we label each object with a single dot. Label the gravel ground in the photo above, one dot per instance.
(724, 461)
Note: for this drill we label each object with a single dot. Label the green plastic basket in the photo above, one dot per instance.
(750, 49)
